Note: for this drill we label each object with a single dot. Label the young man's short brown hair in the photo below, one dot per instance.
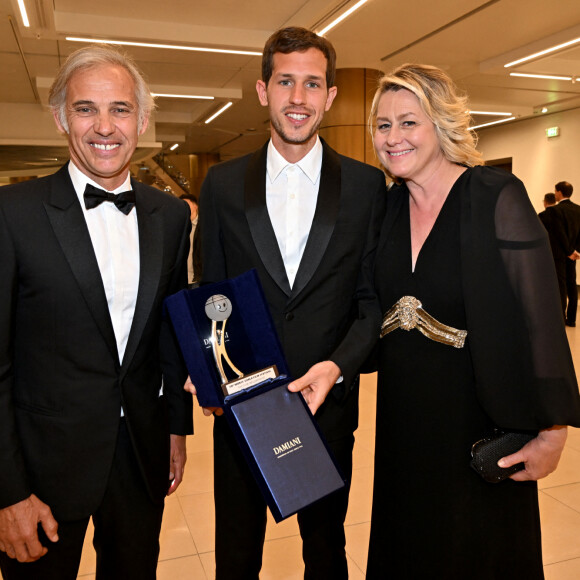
(295, 39)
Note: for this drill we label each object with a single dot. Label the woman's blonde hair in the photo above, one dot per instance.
(440, 101)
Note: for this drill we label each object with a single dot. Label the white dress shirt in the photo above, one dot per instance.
(115, 239)
(291, 196)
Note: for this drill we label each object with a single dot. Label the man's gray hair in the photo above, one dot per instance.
(94, 56)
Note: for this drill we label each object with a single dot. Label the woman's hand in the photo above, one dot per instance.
(540, 456)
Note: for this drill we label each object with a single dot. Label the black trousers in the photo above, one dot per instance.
(241, 516)
(127, 526)
(566, 272)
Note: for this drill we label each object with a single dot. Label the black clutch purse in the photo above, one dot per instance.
(488, 451)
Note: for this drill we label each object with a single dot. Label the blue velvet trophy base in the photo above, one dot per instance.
(274, 427)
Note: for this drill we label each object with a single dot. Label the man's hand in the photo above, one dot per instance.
(189, 386)
(575, 255)
(19, 529)
(177, 459)
(540, 456)
(316, 383)
(207, 411)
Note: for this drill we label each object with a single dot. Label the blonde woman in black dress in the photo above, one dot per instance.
(462, 250)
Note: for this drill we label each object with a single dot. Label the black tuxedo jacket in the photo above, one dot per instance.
(61, 384)
(331, 312)
(549, 219)
(566, 228)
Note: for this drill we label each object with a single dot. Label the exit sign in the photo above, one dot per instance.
(552, 131)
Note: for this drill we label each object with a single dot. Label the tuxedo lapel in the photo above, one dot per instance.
(259, 220)
(150, 223)
(68, 223)
(327, 206)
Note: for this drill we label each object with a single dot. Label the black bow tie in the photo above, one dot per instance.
(125, 201)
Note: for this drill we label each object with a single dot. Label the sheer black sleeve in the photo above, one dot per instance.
(529, 265)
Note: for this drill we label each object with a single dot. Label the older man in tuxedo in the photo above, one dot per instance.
(93, 415)
(307, 219)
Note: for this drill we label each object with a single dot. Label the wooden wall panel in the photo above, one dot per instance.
(344, 127)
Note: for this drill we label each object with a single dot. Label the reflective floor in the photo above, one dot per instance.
(187, 537)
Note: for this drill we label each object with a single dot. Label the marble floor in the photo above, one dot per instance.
(187, 541)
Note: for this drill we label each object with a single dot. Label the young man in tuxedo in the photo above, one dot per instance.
(93, 415)
(307, 219)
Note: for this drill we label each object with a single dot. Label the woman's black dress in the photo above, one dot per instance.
(433, 516)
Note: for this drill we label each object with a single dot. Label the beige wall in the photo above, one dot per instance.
(538, 161)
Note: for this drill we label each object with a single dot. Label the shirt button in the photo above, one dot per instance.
(289, 316)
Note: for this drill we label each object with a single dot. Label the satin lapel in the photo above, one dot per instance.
(327, 206)
(69, 226)
(259, 220)
(150, 223)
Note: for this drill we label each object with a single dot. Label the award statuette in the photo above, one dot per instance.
(218, 309)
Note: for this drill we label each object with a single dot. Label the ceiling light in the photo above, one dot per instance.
(171, 46)
(544, 109)
(172, 96)
(535, 76)
(341, 17)
(492, 123)
(174, 147)
(218, 113)
(23, 14)
(542, 52)
(491, 113)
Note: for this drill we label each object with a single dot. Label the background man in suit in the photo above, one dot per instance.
(307, 219)
(191, 258)
(547, 217)
(548, 201)
(84, 356)
(564, 232)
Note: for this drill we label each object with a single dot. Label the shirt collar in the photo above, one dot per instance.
(311, 163)
(80, 180)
